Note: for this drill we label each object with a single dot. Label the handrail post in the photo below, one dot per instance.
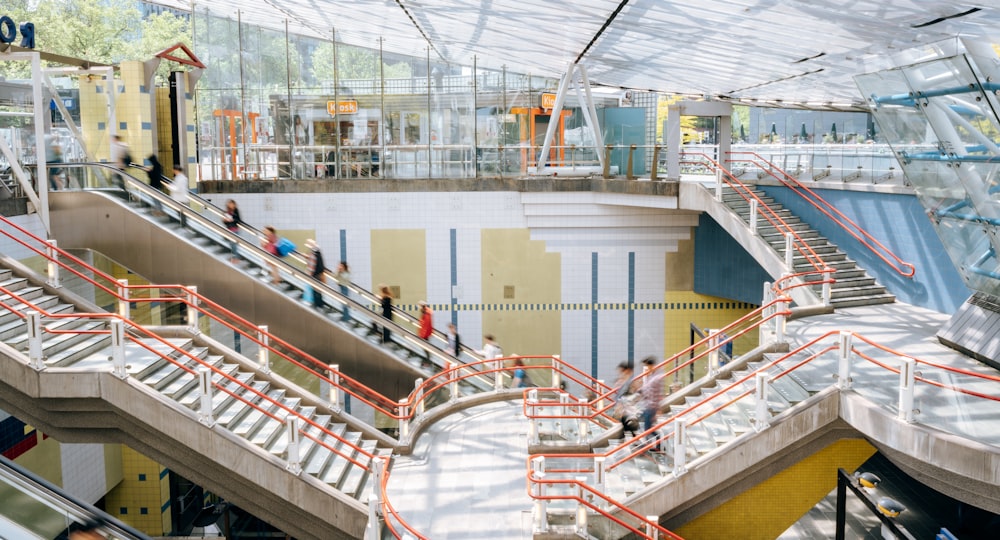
(373, 531)
(262, 352)
(844, 364)
(418, 398)
(53, 268)
(779, 322)
(118, 349)
(123, 304)
(452, 370)
(404, 422)
(533, 429)
(656, 160)
(581, 509)
(827, 285)
(205, 415)
(583, 429)
(378, 471)
(498, 375)
(713, 352)
(789, 253)
(628, 167)
(336, 396)
(556, 371)
(766, 298)
(906, 382)
(192, 309)
(564, 411)
(651, 532)
(292, 432)
(599, 473)
(540, 510)
(718, 184)
(680, 446)
(752, 218)
(762, 418)
(598, 392)
(35, 358)
(607, 161)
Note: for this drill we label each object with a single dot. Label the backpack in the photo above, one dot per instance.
(284, 246)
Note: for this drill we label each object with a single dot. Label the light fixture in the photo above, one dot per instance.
(890, 507)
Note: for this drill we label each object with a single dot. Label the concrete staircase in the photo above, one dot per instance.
(240, 453)
(853, 286)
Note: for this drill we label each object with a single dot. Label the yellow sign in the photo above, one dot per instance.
(342, 107)
(548, 101)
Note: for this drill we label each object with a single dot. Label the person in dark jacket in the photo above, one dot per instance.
(317, 270)
(385, 299)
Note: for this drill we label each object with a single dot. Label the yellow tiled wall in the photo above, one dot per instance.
(768, 509)
(143, 498)
(686, 307)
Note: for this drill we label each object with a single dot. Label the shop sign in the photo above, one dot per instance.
(548, 100)
(349, 106)
(8, 32)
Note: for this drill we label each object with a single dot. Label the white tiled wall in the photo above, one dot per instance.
(83, 470)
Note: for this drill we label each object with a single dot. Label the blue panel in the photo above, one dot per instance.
(192, 159)
(147, 125)
(99, 89)
(343, 244)
(900, 223)
(593, 314)
(100, 126)
(623, 126)
(453, 235)
(722, 267)
(190, 128)
(143, 89)
(123, 125)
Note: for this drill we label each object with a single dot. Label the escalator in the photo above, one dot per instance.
(166, 242)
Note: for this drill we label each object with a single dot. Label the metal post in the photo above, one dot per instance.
(789, 253)
(779, 322)
(656, 160)
(680, 446)
(35, 358)
(713, 352)
(762, 336)
(556, 371)
(404, 422)
(841, 521)
(581, 509)
(540, 510)
(452, 369)
(123, 304)
(628, 165)
(718, 185)
(600, 402)
(418, 398)
(336, 396)
(752, 218)
(533, 437)
(378, 470)
(53, 268)
(761, 415)
(599, 473)
(844, 365)
(651, 530)
(564, 411)
(827, 286)
(192, 309)
(373, 531)
(205, 388)
(498, 375)
(292, 430)
(262, 352)
(906, 382)
(583, 428)
(607, 161)
(118, 349)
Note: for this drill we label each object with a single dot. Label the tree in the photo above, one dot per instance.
(354, 63)
(688, 123)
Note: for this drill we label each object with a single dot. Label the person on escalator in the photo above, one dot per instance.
(385, 300)
(317, 270)
(426, 321)
(270, 245)
(343, 277)
(231, 221)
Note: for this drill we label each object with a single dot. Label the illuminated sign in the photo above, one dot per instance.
(548, 101)
(8, 32)
(349, 106)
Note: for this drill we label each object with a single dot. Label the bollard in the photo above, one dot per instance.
(292, 431)
(118, 349)
(192, 311)
(753, 216)
(906, 382)
(680, 446)
(581, 509)
(123, 304)
(844, 364)
(35, 358)
(404, 422)
(418, 398)
(205, 413)
(262, 356)
(336, 395)
(761, 415)
(53, 268)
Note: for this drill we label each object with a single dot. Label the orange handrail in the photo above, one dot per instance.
(821, 204)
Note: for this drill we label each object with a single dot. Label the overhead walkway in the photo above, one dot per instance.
(165, 242)
(34, 509)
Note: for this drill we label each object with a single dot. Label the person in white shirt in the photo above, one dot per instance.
(179, 186)
(490, 348)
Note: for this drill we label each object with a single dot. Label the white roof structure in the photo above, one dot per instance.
(798, 52)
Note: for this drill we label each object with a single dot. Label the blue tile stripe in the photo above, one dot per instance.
(343, 244)
(454, 273)
(593, 314)
(584, 306)
(631, 308)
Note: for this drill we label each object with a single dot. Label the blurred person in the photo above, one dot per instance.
(385, 300)
(179, 186)
(231, 221)
(454, 341)
(343, 277)
(317, 270)
(426, 321)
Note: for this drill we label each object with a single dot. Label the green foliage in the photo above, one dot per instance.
(354, 63)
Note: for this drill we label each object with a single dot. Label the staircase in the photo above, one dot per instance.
(245, 459)
(852, 286)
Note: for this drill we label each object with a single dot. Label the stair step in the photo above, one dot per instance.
(850, 292)
(237, 408)
(319, 455)
(271, 428)
(192, 397)
(18, 314)
(863, 301)
(280, 443)
(355, 474)
(338, 466)
(12, 325)
(255, 418)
